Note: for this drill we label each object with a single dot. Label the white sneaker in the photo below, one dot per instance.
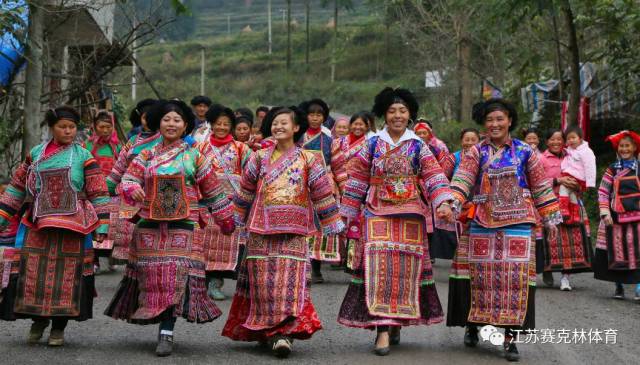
(564, 283)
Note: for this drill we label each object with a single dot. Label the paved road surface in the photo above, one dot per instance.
(106, 341)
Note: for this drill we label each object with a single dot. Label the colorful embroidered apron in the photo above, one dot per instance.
(393, 263)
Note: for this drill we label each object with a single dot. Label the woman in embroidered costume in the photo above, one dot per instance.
(200, 104)
(617, 246)
(492, 280)
(343, 152)
(105, 146)
(9, 258)
(318, 138)
(67, 200)
(393, 283)
(120, 226)
(223, 252)
(283, 188)
(165, 277)
(571, 252)
(441, 234)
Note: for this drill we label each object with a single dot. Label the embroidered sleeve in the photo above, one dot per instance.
(133, 179)
(245, 154)
(338, 164)
(95, 187)
(465, 177)
(248, 184)
(542, 191)
(356, 187)
(321, 194)
(211, 190)
(434, 183)
(448, 163)
(14, 195)
(119, 168)
(604, 192)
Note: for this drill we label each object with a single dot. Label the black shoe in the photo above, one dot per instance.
(382, 351)
(281, 346)
(547, 278)
(619, 293)
(165, 345)
(394, 335)
(511, 352)
(471, 336)
(316, 278)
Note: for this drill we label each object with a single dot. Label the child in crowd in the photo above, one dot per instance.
(580, 164)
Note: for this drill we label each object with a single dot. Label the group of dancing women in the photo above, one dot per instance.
(203, 193)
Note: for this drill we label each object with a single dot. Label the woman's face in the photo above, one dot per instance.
(242, 132)
(104, 128)
(200, 110)
(342, 127)
(555, 143)
(222, 127)
(315, 119)
(532, 139)
(424, 135)
(497, 125)
(172, 126)
(397, 118)
(469, 140)
(359, 128)
(627, 149)
(283, 127)
(64, 131)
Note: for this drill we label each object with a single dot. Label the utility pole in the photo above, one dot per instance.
(308, 12)
(33, 82)
(335, 41)
(228, 24)
(134, 66)
(288, 35)
(202, 71)
(284, 16)
(269, 25)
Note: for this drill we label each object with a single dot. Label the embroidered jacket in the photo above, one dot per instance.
(86, 190)
(282, 195)
(442, 155)
(105, 154)
(389, 178)
(342, 154)
(507, 183)
(606, 191)
(130, 150)
(228, 162)
(178, 159)
(320, 142)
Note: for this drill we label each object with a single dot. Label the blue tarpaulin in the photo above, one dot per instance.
(10, 48)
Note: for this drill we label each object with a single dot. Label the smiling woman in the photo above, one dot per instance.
(63, 191)
(506, 182)
(170, 182)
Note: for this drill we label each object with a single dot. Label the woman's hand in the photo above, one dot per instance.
(568, 182)
(552, 232)
(444, 212)
(608, 221)
(138, 195)
(101, 237)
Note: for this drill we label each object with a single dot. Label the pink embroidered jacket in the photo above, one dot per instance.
(282, 195)
(386, 178)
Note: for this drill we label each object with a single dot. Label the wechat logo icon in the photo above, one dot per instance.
(491, 334)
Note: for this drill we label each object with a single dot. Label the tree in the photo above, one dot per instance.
(347, 4)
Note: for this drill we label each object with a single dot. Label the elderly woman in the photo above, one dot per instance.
(492, 279)
(66, 197)
(165, 277)
(393, 282)
(571, 251)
